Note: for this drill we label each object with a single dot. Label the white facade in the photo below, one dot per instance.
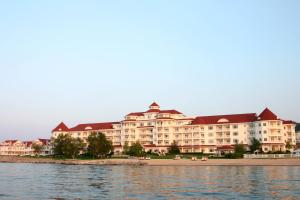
(156, 129)
(22, 148)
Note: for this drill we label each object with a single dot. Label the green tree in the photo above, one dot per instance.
(255, 145)
(58, 144)
(136, 149)
(239, 151)
(98, 145)
(288, 146)
(126, 148)
(37, 149)
(67, 146)
(174, 149)
(239, 148)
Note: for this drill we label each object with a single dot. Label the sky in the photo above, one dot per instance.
(96, 61)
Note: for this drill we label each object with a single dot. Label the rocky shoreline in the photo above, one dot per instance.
(19, 159)
(156, 162)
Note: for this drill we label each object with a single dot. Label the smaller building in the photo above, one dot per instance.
(298, 135)
(23, 148)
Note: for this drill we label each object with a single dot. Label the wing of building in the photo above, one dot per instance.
(22, 148)
(156, 129)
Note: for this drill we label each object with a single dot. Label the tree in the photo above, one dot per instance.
(255, 145)
(98, 145)
(58, 144)
(136, 149)
(239, 151)
(288, 146)
(126, 148)
(67, 146)
(174, 149)
(37, 148)
(72, 147)
(239, 148)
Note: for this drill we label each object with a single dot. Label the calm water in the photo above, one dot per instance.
(43, 181)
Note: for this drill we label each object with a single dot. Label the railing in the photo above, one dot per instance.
(259, 156)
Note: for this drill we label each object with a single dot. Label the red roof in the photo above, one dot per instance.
(170, 111)
(93, 126)
(154, 104)
(44, 141)
(136, 114)
(226, 147)
(288, 122)
(10, 141)
(61, 127)
(267, 115)
(221, 119)
(153, 110)
(28, 143)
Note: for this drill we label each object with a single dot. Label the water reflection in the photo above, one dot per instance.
(32, 181)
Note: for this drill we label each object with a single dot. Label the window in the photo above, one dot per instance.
(235, 133)
(265, 132)
(235, 126)
(210, 128)
(210, 134)
(264, 124)
(235, 141)
(265, 139)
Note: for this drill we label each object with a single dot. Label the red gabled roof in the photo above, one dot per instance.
(236, 118)
(61, 127)
(154, 104)
(288, 122)
(153, 110)
(136, 114)
(10, 141)
(44, 141)
(267, 115)
(92, 127)
(28, 143)
(170, 111)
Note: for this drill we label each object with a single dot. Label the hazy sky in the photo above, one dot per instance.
(95, 61)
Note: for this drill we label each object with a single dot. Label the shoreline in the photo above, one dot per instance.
(155, 162)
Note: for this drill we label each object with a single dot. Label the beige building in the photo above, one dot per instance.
(156, 129)
(22, 148)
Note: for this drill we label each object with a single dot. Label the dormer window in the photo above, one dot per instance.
(223, 120)
(88, 128)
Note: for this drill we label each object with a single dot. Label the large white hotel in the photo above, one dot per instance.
(156, 129)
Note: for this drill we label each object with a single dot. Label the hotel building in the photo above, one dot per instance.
(156, 129)
(22, 148)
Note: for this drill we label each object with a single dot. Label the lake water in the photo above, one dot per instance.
(45, 181)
